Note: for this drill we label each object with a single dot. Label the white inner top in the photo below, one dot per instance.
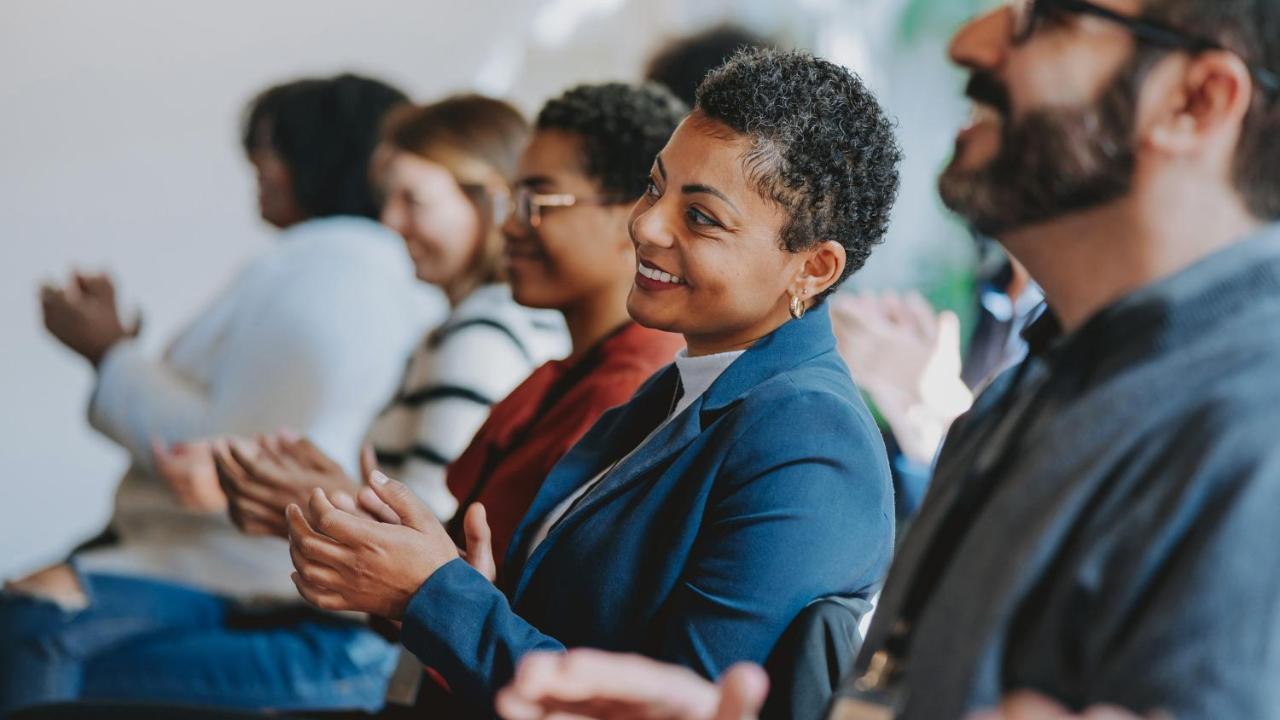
(696, 375)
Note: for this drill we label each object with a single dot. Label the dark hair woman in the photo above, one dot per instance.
(695, 522)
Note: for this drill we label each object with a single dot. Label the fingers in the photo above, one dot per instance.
(743, 690)
(372, 504)
(407, 506)
(475, 528)
(307, 545)
(549, 683)
(368, 462)
(921, 314)
(948, 337)
(257, 518)
(332, 522)
(319, 597)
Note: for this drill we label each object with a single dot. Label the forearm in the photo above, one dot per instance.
(136, 400)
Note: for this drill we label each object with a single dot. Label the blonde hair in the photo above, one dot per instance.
(478, 140)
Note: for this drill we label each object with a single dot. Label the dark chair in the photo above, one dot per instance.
(817, 650)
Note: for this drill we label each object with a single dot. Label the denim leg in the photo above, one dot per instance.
(316, 664)
(44, 648)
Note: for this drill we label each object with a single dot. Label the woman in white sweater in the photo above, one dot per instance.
(312, 335)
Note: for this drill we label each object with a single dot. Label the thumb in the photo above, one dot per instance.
(475, 528)
(412, 511)
(742, 692)
(368, 462)
(948, 331)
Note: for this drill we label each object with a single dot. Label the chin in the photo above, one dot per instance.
(644, 312)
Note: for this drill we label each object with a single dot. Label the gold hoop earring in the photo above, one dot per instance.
(798, 307)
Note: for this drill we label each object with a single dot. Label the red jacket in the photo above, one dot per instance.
(529, 430)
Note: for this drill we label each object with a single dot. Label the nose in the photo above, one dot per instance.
(649, 227)
(983, 42)
(513, 228)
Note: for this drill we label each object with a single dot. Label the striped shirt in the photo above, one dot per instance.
(487, 346)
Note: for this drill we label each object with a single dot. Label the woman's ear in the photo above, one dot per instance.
(822, 267)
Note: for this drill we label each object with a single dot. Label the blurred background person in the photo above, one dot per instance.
(312, 335)
(682, 63)
(908, 358)
(568, 251)
(447, 176)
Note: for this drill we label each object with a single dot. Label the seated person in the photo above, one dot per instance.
(447, 175)
(695, 522)
(312, 335)
(595, 141)
(576, 259)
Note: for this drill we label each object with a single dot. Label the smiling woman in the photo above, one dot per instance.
(695, 522)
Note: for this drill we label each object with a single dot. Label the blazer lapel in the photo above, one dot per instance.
(615, 434)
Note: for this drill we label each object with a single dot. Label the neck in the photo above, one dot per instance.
(459, 288)
(700, 345)
(592, 318)
(1087, 261)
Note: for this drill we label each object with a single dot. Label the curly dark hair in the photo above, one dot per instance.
(325, 131)
(623, 128)
(821, 146)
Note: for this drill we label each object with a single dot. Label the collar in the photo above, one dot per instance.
(1168, 311)
(698, 373)
(792, 344)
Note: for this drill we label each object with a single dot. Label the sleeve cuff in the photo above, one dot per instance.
(108, 405)
(462, 626)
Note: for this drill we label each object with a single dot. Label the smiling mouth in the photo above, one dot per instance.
(658, 274)
(983, 114)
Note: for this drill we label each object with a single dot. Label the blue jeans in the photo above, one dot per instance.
(152, 641)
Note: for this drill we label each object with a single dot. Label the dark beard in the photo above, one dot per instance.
(1051, 163)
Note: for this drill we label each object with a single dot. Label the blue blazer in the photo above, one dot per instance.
(771, 490)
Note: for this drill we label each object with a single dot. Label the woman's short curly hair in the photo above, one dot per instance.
(623, 128)
(821, 146)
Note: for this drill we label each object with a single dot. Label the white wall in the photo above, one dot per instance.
(119, 150)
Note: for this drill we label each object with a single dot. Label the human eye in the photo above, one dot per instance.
(651, 189)
(698, 218)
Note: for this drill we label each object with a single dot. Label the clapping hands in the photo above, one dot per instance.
(83, 315)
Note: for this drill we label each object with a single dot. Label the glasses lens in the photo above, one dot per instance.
(523, 206)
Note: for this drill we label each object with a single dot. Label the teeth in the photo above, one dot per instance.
(985, 113)
(659, 275)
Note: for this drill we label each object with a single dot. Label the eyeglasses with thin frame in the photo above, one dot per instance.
(1027, 15)
(529, 204)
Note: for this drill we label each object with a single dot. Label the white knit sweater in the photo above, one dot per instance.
(311, 336)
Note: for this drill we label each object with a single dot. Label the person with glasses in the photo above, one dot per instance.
(746, 480)
(1099, 536)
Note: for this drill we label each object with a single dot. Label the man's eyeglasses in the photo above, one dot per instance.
(529, 204)
(1027, 15)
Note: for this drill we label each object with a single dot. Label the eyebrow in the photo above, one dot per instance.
(699, 188)
(696, 188)
(535, 180)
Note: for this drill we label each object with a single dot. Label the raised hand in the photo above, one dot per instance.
(907, 358)
(83, 315)
(347, 562)
(608, 686)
